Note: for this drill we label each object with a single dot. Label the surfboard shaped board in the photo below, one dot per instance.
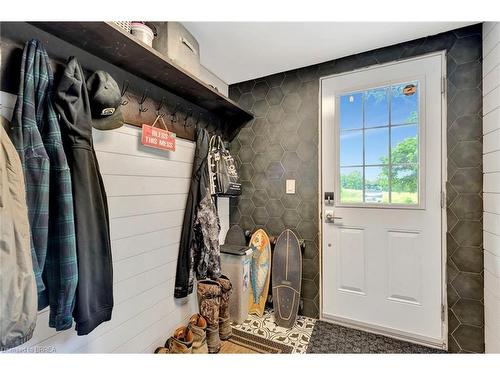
(260, 268)
(235, 236)
(286, 278)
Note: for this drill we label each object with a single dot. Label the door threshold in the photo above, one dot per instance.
(388, 332)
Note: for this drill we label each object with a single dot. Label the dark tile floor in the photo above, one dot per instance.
(331, 338)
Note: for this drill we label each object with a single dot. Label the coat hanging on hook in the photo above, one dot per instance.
(195, 258)
(94, 301)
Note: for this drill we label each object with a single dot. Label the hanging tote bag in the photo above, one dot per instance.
(224, 179)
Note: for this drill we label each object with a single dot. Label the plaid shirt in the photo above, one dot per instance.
(50, 209)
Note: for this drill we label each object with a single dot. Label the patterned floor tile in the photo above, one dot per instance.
(298, 337)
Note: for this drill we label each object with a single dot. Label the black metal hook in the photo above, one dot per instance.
(143, 99)
(163, 102)
(207, 122)
(123, 91)
(218, 131)
(173, 115)
(189, 113)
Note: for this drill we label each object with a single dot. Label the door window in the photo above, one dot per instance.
(378, 132)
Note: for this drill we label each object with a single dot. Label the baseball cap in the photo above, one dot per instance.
(105, 101)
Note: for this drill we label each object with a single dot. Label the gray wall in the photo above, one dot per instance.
(282, 142)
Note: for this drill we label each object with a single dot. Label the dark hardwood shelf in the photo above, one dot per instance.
(111, 43)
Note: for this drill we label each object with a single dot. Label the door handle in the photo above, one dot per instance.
(330, 217)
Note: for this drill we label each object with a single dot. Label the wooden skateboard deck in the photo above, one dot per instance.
(260, 268)
(235, 236)
(286, 278)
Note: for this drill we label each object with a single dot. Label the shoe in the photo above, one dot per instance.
(198, 325)
(161, 350)
(209, 296)
(180, 343)
(225, 330)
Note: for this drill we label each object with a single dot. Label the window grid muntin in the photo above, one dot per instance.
(380, 127)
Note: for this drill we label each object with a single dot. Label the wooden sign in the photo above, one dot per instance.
(157, 138)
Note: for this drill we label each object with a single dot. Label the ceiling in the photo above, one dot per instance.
(239, 51)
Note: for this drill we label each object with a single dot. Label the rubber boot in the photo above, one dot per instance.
(198, 325)
(209, 293)
(180, 343)
(225, 330)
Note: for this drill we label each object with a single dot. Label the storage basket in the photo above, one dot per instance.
(143, 32)
(178, 44)
(125, 25)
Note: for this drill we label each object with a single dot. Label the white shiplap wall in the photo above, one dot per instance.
(147, 191)
(491, 186)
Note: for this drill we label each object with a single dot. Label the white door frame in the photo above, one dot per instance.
(329, 117)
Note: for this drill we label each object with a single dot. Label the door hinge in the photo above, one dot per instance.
(443, 84)
(443, 310)
(443, 199)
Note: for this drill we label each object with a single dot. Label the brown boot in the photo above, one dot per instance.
(161, 350)
(180, 343)
(225, 330)
(209, 293)
(198, 325)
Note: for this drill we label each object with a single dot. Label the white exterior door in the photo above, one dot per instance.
(382, 146)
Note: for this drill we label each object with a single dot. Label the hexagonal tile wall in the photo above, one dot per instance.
(274, 96)
(260, 90)
(282, 142)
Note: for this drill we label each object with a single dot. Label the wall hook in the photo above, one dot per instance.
(123, 91)
(197, 120)
(218, 130)
(163, 103)
(189, 113)
(143, 99)
(173, 115)
(208, 123)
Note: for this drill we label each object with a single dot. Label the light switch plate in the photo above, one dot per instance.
(290, 186)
